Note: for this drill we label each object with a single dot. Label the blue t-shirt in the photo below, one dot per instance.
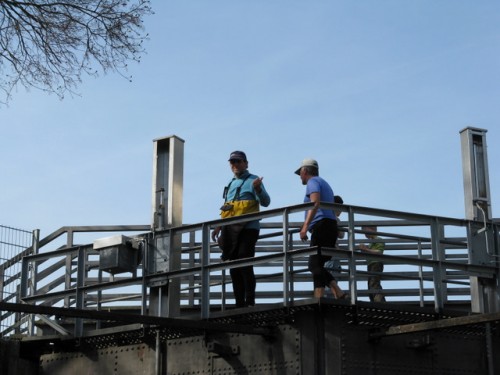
(318, 185)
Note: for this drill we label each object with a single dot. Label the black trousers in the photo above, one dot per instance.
(243, 278)
(324, 233)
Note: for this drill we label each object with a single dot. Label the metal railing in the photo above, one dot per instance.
(14, 244)
(427, 261)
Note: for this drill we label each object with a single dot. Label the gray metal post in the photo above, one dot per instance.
(80, 294)
(168, 169)
(205, 273)
(478, 209)
(475, 174)
(286, 260)
(69, 263)
(33, 277)
(439, 275)
(351, 238)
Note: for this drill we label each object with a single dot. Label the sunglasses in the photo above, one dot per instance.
(235, 161)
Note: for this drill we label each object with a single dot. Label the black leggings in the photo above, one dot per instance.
(324, 233)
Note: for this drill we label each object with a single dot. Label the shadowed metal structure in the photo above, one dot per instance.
(156, 299)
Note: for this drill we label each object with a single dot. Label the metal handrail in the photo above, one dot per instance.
(200, 264)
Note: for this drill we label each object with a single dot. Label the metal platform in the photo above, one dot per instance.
(322, 336)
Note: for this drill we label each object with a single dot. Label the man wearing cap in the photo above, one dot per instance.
(244, 194)
(322, 224)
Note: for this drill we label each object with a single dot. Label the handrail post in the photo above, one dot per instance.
(205, 272)
(437, 255)
(286, 260)
(80, 294)
(420, 275)
(69, 261)
(32, 278)
(191, 280)
(352, 258)
(145, 271)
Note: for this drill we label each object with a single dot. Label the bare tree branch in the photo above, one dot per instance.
(48, 45)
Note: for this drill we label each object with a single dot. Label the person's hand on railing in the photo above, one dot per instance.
(215, 234)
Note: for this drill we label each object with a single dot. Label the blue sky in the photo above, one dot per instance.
(376, 91)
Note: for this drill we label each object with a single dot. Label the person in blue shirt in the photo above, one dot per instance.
(322, 224)
(244, 194)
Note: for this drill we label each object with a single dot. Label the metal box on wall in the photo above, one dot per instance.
(117, 254)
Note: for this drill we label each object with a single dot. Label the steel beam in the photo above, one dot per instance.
(438, 324)
(180, 324)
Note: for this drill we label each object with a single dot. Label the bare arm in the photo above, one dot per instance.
(315, 198)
